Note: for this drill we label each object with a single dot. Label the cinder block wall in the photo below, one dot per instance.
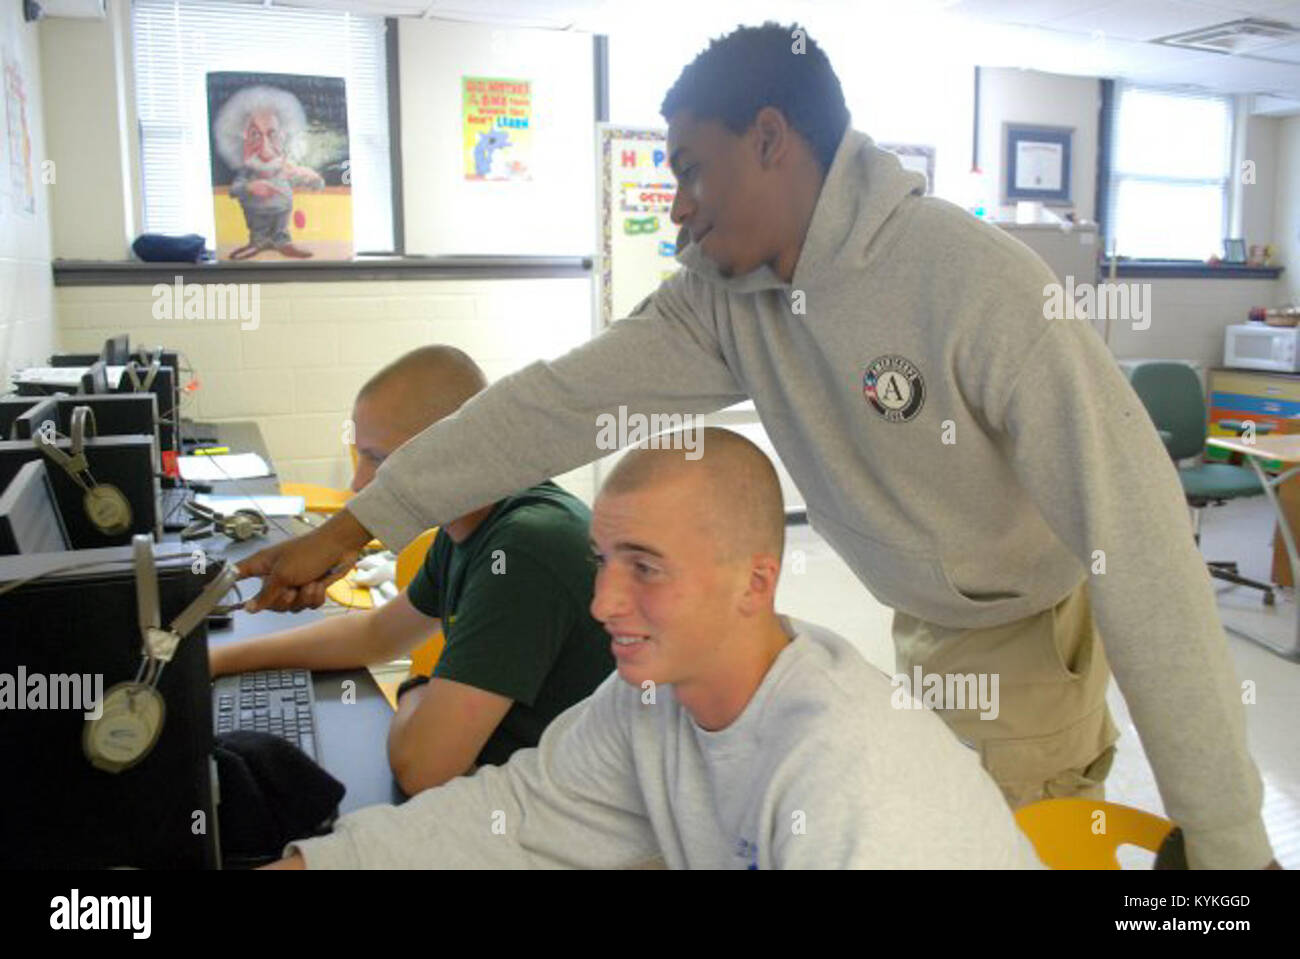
(316, 343)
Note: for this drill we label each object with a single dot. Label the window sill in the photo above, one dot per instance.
(1190, 269)
(362, 269)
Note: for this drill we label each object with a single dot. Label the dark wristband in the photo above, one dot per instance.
(410, 683)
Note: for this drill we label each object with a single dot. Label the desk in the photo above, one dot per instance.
(1277, 628)
(352, 735)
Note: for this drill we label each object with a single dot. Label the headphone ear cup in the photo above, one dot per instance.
(107, 508)
(248, 523)
(131, 718)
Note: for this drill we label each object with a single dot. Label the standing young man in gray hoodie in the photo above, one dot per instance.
(986, 471)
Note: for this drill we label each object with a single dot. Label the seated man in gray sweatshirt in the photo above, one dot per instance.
(732, 737)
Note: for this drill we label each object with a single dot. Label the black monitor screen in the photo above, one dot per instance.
(57, 811)
(30, 521)
(95, 379)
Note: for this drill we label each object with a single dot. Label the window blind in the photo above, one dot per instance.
(1170, 174)
(177, 44)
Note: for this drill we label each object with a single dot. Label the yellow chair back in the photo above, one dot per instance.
(321, 499)
(1084, 833)
(425, 656)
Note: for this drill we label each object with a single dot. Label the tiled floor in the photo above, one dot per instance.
(816, 585)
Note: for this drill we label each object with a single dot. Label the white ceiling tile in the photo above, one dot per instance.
(1143, 19)
(1056, 36)
(1031, 12)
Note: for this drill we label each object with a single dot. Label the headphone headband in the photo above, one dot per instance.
(132, 371)
(161, 643)
(80, 414)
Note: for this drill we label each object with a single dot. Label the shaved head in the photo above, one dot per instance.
(406, 396)
(735, 493)
(424, 385)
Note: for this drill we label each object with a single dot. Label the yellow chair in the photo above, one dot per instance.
(1068, 833)
(321, 499)
(425, 656)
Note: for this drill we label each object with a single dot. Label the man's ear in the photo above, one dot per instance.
(772, 136)
(760, 590)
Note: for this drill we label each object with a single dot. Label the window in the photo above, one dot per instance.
(1170, 164)
(177, 44)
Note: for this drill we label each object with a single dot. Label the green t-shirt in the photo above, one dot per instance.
(515, 602)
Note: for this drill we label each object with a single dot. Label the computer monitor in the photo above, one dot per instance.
(116, 414)
(95, 379)
(12, 407)
(117, 350)
(42, 415)
(30, 521)
(166, 386)
(126, 462)
(57, 811)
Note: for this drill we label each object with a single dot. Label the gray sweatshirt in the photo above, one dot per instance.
(818, 771)
(975, 492)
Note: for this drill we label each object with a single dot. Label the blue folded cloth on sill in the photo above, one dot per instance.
(159, 248)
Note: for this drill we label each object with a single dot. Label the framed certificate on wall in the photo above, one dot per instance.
(1036, 163)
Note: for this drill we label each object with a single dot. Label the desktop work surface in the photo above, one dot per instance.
(352, 715)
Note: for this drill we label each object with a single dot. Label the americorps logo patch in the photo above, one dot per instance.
(894, 387)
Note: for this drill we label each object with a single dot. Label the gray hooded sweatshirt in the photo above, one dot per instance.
(819, 771)
(965, 455)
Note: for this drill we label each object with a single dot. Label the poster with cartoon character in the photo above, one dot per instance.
(281, 171)
(498, 128)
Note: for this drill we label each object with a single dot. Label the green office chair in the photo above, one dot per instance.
(1171, 393)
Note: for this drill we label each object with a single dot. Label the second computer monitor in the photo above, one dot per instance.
(30, 521)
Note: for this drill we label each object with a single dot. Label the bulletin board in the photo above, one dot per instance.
(638, 242)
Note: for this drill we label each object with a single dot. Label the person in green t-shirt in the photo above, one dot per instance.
(510, 584)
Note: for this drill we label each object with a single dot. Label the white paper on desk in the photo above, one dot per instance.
(222, 466)
(269, 505)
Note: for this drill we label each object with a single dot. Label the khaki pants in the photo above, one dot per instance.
(1053, 735)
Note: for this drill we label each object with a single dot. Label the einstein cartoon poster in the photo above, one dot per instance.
(498, 128)
(281, 174)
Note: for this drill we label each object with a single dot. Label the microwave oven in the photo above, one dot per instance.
(1258, 346)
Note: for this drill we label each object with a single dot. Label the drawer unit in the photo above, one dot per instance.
(1264, 398)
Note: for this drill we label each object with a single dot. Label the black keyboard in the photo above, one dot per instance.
(275, 701)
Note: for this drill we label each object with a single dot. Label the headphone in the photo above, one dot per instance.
(132, 372)
(133, 713)
(241, 525)
(106, 506)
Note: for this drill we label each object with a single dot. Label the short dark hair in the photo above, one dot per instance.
(755, 67)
